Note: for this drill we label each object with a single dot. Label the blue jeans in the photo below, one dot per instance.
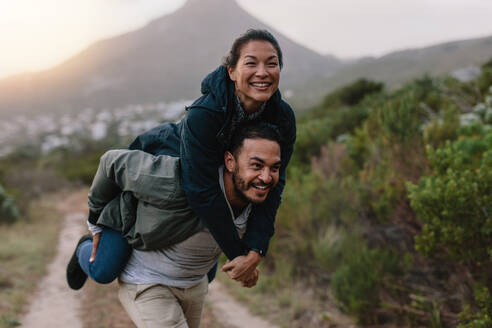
(112, 254)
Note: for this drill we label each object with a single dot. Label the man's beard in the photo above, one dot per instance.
(240, 186)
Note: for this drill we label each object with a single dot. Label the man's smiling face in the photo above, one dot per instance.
(255, 169)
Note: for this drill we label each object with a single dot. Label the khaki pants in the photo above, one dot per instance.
(160, 306)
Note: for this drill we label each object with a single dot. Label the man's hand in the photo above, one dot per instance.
(242, 267)
(95, 244)
(251, 282)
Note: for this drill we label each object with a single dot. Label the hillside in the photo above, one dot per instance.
(397, 68)
(164, 61)
(388, 205)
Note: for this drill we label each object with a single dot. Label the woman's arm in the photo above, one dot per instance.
(262, 219)
(201, 156)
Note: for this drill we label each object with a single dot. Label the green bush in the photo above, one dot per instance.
(81, 168)
(482, 318)
(455, 200)
(327, 247)
(347, 96)
(310, 137)
(363, 272)
(8, 210)
(427, 91)
(314, 203)
(400, 118)
(443, 129)
(74, 166)
(485, 79)
(358, 146)
(347, 119)
(354, 93)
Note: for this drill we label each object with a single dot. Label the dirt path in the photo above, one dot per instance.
(54, 304)
(229, 312)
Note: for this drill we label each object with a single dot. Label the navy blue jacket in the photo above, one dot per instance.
(199, 139)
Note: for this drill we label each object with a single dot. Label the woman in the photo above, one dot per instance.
(243, 89)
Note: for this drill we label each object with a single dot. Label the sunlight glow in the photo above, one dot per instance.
(38, 34)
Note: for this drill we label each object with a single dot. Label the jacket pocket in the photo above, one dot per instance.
(155, 181)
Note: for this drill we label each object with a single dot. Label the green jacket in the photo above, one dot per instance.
(141, 196)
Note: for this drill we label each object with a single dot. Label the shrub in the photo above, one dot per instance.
(347, 96)
(346, 119)
(74, 166)
(81, 168)
(353, 93)
(481, 318)
(358, 146)
(483, 111)
(327, 247)
(316, 202)
(310, 137)
(399, 118)
(427, 91)
(8, 210)
(485, 79)
(455, 201)
(363, 271)
(442, 129)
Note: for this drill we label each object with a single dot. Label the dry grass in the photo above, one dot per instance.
(26, 249)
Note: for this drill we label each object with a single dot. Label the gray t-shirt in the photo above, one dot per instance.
(182, 265)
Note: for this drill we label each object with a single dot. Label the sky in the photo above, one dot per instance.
(38, 34)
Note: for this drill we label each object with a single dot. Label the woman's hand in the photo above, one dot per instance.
(242, 268)
(251, 282)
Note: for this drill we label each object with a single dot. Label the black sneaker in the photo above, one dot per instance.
(76, 277)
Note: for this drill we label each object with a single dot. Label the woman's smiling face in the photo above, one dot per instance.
(256, 75)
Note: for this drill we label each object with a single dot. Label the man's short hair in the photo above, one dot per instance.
(253, 130)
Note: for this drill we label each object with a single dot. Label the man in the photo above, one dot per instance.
(166, 287)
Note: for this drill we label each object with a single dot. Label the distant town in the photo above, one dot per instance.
(46, 132)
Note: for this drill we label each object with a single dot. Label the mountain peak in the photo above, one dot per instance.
(207, 7)
(209, 3)
(163, 61)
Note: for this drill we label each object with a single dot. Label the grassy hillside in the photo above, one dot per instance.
(388, 203)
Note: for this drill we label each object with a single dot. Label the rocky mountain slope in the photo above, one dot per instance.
(164, 61)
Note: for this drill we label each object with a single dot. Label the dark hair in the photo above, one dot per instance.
(253, 130)
(251, 35)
